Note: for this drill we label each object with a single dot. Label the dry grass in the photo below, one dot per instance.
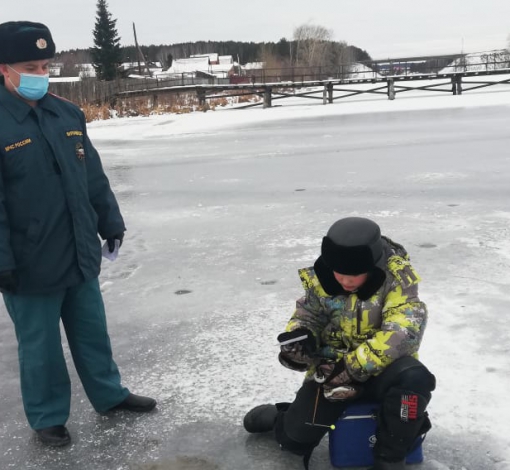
(181, 103)
(95, 112)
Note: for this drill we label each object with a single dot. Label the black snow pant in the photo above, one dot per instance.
(403, 391)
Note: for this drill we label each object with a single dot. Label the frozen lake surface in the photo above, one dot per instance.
(222, 209)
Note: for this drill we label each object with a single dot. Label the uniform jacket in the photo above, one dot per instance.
(54, 195)
(368, 329)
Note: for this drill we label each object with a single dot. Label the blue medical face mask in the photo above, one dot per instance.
(32, 87)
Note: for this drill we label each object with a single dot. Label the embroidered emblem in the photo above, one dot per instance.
(18, 145)
(41, 43)
(80, 151)
(74, 133)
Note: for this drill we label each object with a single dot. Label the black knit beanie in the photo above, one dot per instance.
(23, 41)
(352, 246)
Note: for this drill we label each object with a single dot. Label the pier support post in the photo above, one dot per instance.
(267, 98)
(201, 96)
(391, 89)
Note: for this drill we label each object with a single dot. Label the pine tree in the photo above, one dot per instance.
(106, 53)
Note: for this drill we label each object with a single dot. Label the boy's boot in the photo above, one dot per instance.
(262, 418)
(384, 465)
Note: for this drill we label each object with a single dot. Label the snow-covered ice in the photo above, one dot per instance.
(222, 208)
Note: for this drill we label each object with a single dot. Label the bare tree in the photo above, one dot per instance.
(274, 67)
(312, 44)
(165, 57)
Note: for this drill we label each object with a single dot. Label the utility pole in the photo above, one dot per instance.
(140, 54)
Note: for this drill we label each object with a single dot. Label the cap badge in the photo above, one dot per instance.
(41, 43)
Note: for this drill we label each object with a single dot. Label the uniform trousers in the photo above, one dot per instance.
(45, 383)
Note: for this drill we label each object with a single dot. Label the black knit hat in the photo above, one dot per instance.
(23, 41)
(352, 246)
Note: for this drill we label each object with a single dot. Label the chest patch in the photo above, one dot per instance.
(17, 145)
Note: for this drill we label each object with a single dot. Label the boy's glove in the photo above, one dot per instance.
(8, 281)
(339, 385)
(296, 349)
(302, 337)
(336, 374)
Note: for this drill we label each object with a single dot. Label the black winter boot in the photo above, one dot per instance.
(54, 436)
(136, 403)
(384, 465)
(262, 418)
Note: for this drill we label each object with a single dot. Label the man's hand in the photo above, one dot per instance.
(111, 241)
(8, 281)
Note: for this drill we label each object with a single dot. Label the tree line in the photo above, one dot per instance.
(277, 54)
(311, 46)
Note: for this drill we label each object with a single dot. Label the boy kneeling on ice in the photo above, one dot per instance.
(356, 332)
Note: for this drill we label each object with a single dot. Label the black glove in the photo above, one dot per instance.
(296, 354)
(336, 374)
(308, 344)
(339, 385)
(8, 281)
(111, 241)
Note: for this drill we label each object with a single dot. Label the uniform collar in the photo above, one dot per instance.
(18, 108)
(48, 103)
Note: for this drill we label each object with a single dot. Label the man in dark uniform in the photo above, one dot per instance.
(54, 201)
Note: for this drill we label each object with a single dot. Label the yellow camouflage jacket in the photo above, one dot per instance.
(369, 333)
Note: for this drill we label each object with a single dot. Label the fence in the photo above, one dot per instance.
(454, 63)
(92, 91)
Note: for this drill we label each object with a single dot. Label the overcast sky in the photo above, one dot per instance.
(392, 28)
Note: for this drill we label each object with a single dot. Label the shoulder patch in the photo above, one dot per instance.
(402, 270)
(310, 281)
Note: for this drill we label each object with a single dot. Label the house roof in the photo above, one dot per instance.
(212, 56)
(221, 67)
(225, 59)
(254, 65)
(189, 65)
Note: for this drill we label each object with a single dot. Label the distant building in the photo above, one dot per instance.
(201, 66)
(213, 57)
(480, 62)
(225, 59)
(224, 70)
(139, 69)
(210, 66)
(359, 71)
(187, 67)
(253, 66)
(55, 70)
(86, 71)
